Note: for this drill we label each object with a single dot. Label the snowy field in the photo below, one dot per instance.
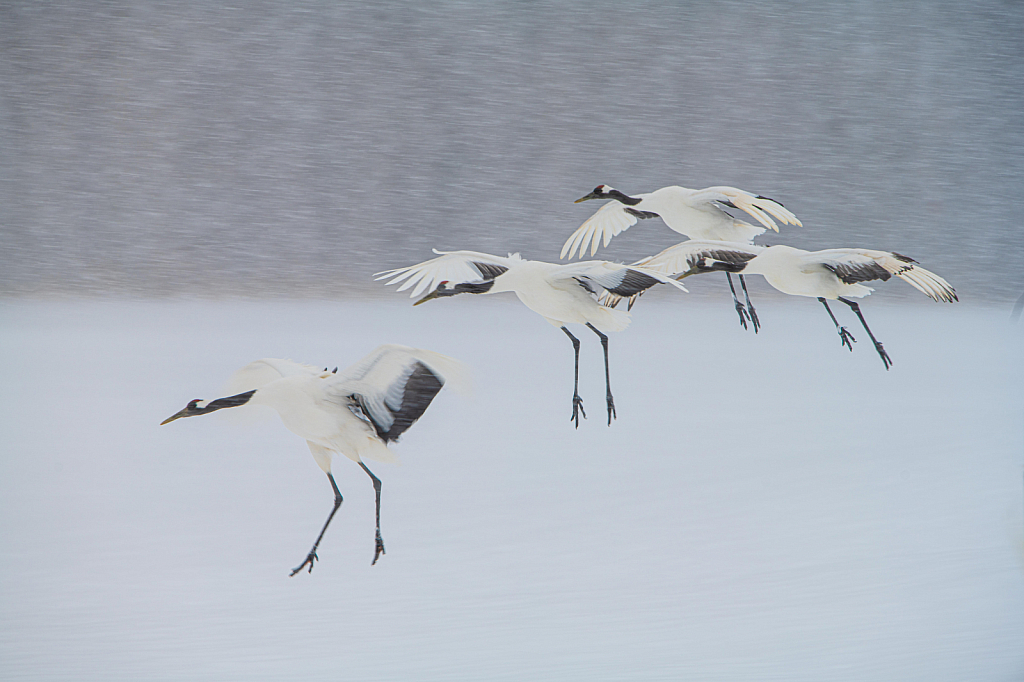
(765, 508)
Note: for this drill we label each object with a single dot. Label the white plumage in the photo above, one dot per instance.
(354, 413)
(826, 275)
(696, 213)
(562, 294)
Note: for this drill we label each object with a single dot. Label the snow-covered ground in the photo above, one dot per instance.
(769, 507)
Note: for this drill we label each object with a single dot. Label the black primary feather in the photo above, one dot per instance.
(490, 270)
(633, 282)
(420, 388)
(851, 273)
(642, 215)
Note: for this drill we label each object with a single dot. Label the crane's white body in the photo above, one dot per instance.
(561, 293)
(695, 213)
(826, 274)
(314, 404)
(558, 299)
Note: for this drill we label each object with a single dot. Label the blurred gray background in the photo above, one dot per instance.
(295, 148)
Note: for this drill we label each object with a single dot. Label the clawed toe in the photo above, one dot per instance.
(577, 410)
(310, 558)
(378, 550)
(742, 312)
(847, 338)
(882, 354)
(753, 318)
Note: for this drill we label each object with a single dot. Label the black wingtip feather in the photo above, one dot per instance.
(420, 389)
(633, 282)
(860, 272)
(489, 270)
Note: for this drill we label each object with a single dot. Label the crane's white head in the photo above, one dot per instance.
(600, 192)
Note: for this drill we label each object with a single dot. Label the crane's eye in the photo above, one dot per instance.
(192, 404)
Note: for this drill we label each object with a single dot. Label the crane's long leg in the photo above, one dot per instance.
(577, 401)
(379, 549)
(750, 308)
(740, 310)
(878, 345)
(846, 336)
(311, 557)
(607, 377)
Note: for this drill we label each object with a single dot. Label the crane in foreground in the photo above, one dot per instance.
(695, 213)
(561, 294)
(827, 275)
(355, 413)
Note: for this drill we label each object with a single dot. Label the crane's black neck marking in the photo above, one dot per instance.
(221, 403)
(623, 198)
(467, 288)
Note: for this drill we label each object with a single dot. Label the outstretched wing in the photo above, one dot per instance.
(863, 265)
(393, 386)
(609, 221)
(762, 209)
(456, 267)
(259, 373)
(686, 256)
(600, 277)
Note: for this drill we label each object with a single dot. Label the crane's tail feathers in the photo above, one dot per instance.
(373, 448)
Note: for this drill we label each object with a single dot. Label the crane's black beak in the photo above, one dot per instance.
(433, 294)
(691, 271)
(592, 195)
(190, 410)
(177, 415)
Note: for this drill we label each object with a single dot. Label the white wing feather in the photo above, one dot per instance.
(761, 209)
(609, 221)
(680, 258)
(925, 281)
(455, 267)
(259, 373)
(609, 275)
(380, 378)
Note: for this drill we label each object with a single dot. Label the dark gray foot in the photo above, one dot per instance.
(577, 410)
(742, 312)
(753, 317)
(310, 558)
(378, 550)
(847, 337)
(882, 354)
(611, 409)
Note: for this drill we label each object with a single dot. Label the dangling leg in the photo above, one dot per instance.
(739, 306)
(878, 346)
(607, 379)
(577, 401)
(750, 308)
(380, 542)
(846, 336)
(311, 557)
